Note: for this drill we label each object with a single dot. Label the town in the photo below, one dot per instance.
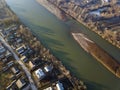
(26, 64)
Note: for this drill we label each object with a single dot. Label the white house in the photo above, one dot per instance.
(59, 86)
(40, 74)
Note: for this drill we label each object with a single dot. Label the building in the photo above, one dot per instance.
(21, 49)
(2, 49)
(40, 74)
(24, 59)
(15, 70)
(32, 64)
(48, 68)
(20, 83)
(19, 40)
(8, 54)
(11, 63)
(59, 86)
(11, 86)
(49, 88)
(5, 60)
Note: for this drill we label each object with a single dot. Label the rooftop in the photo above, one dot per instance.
(40, 74)
(59, 86)
(49, 88)
(20, 83)
(24, 58)
(15, 70)
(20, 49)
(48, 68)
(31, 64)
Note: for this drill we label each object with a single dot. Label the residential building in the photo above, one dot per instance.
(24, 59)
(15, 70)
(21, 49)
(20, 83)
(48, 68)
(49, 88)
(32, 64)
(40, 74)
(59, 86)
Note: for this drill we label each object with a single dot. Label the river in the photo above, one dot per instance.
(55, 35)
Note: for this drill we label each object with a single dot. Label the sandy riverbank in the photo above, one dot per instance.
(98, 53)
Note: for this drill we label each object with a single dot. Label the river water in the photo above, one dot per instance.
(55, 35)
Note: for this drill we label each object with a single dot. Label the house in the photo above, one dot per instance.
(9, 64)
(5, 60)
(4, 69)
(1, 32)
(8, 54)
(2, 56)
(24, 53)
(2, 49)
(59, 86)
(40, 74)
(14, 28)
(49, 88)
(21, 49)
(28, 52)
(48, 68)
(7, 31)
(15, 70)
(24, 59)
(32, 64)
(11, 86)
(20, 83)
(19, 40)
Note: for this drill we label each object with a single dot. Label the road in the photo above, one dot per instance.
(32, 84)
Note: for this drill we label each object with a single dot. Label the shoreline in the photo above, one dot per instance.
(57, 12)
(115, 72)
(70, 75)
(80, 21)
(109, 62)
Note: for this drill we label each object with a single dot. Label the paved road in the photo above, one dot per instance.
(32, 84)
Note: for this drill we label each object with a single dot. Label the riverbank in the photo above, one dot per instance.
(55, 35)
(53, 9)
(76, 12)
(32, 43)
(98, 53)
(83, 44)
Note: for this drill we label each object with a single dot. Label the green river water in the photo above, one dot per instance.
(55, 35)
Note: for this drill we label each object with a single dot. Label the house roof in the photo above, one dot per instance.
(31, 64)
(2, 49)
(20, 83)
(23, 58)
(40, 74)
(20, 49)
(8, 53)
(49, 88)
(15, 70)
(59, 86)
(48, 68)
